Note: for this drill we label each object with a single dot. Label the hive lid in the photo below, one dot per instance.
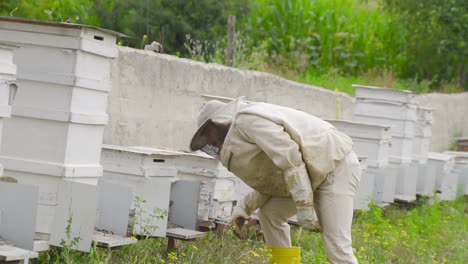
(384, 94)
(157, 151)
(58, 24)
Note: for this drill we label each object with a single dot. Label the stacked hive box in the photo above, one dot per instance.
(442, 166)
(8, 85)
(421, 147)
(396, 109)
(59, 113)
(373, 142)
(148, 176)
(461, 168)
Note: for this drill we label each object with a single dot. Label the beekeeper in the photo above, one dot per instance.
(295, 162)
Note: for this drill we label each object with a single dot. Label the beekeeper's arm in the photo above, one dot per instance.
(286, 155)
(245, 207)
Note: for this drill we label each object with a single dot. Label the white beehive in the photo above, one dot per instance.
(406, 181)
(426, 178)
(461, 168)
(372, 141)
(65, 100)
(193, 166)
(124, 163)
(384, 184)
(148, 177)
(58, 117)
(446, 179)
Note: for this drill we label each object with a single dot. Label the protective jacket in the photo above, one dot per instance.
(280, 151)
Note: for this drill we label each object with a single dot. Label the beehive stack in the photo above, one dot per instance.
(372, 144)
(58, 117)
(396, 109)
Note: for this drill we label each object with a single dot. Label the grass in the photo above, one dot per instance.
(420, 233)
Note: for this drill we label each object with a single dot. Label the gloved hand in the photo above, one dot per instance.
(305, 219)
(239, 216)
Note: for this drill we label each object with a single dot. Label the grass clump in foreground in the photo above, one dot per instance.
(419, 233)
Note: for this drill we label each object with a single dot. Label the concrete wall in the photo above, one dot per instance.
(450, 117)
(155, 99)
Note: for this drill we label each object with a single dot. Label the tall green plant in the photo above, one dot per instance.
(344, 35)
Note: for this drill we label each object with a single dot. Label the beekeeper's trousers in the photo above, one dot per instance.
(333, 203)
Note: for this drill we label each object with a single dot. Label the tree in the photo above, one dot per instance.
(437, 36)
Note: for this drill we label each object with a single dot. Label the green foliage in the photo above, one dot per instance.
(436, 38)
(147, 222)
(428, 232)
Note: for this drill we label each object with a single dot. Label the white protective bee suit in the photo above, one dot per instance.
(295, 162)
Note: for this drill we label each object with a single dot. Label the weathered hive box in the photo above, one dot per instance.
(392, 108)
(148, 177)
(461, 168)
(193, 166)
(446, 180)
(365, 189)
(372, 141)
(8, 87)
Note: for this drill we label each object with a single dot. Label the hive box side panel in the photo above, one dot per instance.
(18, 209)
(77, 205)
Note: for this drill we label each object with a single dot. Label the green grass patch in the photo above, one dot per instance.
(421, 233)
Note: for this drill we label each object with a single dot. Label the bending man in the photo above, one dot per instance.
(295, 162)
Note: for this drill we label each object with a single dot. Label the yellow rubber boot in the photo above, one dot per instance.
(285, 255)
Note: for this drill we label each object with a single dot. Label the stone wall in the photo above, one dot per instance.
(155, 99)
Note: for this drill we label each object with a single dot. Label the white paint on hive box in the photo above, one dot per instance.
(18, 209)
(385, 94)
(372, 141)
(76, 210)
